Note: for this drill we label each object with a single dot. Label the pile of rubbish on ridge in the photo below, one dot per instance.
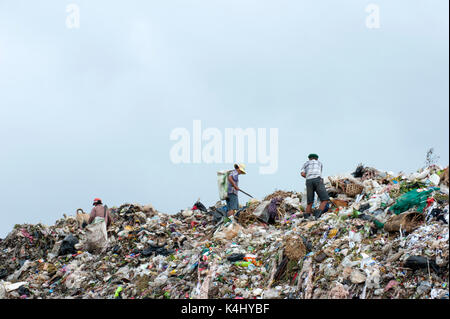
(384, 235)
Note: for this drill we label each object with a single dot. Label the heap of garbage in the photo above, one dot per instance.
(384, 235)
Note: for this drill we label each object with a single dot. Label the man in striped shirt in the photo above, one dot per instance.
(312, 171)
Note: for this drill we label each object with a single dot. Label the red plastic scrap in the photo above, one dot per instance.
(27, 235)
(430, 201)
(193, 223)
(391, 284)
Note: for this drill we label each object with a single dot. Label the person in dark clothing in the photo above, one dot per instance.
(312, 171)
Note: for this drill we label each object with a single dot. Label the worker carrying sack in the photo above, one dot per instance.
(96, 234)
(222, 183)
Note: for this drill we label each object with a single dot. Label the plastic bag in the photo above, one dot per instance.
(293, 202)
(379, 200)
(353, 238)
(2, 291)
(419, 262)
(418, 176)
(435, 179)
(219, 213)
(228, 232)
(3, 273)
(262, 211)
(411, 199)
(222, 183)
(68, 245)
(96, 235)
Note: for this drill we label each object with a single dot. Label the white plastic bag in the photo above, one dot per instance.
(435, 179)
(418, 176)
(96, 235)
(345, 212)
(14, 286)
(228, 232)
(353, 237)
(293, 202)
(377, 200)
(222, 183)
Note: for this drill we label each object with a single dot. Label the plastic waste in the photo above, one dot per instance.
(413, 198)
(262, 211)
(3, 273)
(96, 235)
(354, 237)
(68, 245)
(243, 263)
(419, 262)
(24, 291)
(407, 221)
(117, 293)
(222, 184)
(150, 254)
(424, 288)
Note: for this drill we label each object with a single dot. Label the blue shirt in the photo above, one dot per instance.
(235, 176)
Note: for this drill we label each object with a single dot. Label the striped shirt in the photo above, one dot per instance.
(312, 168)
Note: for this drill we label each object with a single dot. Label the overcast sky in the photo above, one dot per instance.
(87, 112)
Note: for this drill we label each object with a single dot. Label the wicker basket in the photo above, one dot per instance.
(353, 189)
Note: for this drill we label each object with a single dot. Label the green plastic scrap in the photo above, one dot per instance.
(378, 224)
(411, 199)
(118, 291)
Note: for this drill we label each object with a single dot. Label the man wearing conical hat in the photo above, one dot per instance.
(233, 188)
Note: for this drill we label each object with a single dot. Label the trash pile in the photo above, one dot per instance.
(385, 235)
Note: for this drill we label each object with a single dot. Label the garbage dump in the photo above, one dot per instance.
(384, 236)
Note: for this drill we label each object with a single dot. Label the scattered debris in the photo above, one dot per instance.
(385, 235)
